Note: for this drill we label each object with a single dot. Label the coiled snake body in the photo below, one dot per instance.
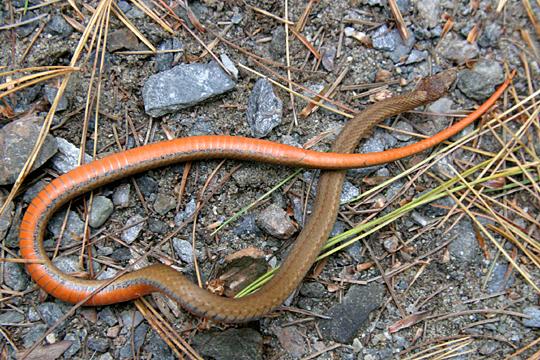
(164, 279)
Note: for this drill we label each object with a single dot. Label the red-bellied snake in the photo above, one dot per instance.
(162, 278)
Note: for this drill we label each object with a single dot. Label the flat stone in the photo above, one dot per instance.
(134, 225)
(464, 247)
(291, 341)
(347, 318)
(122, 39)
(429, 12)
(231, 344)
(102, 208)
(265, 109)
(121, 195)
(15, 277)
(11, 317)
(164, 61)
(50, 312)
(98, 344)
(454, 48)
(50, 94)
(480, 82)
(183, 249)
(134, 342)
(67, 157)
(72, 232)
(33, 334)
(59, 26)
(164, 203)
(17, 139)
(276, 222)
(183, 86)
(534, 316)
(391, 42)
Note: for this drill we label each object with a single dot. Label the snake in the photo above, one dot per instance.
(166, 280)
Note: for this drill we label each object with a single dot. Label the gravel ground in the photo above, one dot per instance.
(343, 310)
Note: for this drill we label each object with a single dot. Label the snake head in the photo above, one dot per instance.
(437, 85)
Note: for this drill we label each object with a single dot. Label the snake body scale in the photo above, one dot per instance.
(161, 278)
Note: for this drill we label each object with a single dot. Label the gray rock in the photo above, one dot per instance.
(349, 192)
(122, 39)
(291, 340)
(328, 56)
(67, 157)
(183, 86)
(488, 348)
(229, 65)
(32, 191)
(498, 281)
(157, 347)
(164, 61)
(108, 316)
(6, 218)
(347, 318)
(429, 12)
(416, 56)
(106, 356)
(108, 273)
(135, 13)
(130, 319)
(135, 343)
(98, 344)
(25, 30)
(313, 290)
(135, 225)
(73, 230)
(277, 45)
(464, 247)
(164, 203)
(355, 251)
(183, 249)
(147, 185)
(186, 213)
(404, 126)
(157, 226)
(247, 226)
(391, 42)
(50, 313)
(121, 254)
(33, 334)
(438, 122)
(231, 344)
(454, 48)
(124, 6)
(15, 277)
(479, 82)
(102, 208)
(59, 26)
(75, 339)
(67, 264)
(276, 222)
(11, 317)
(264, 110)
(534, 316)
(121, 195)
(490, 36)
(17, 139)
(50, 94)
